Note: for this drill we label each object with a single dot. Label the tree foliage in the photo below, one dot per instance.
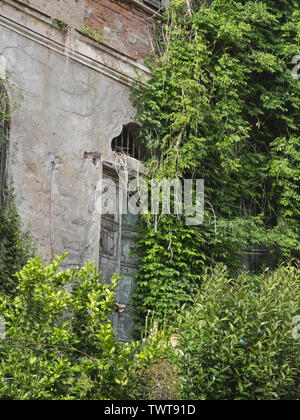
(60, 343)
(222, 106)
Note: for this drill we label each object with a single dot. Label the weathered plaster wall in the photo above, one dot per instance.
(72, 11)
(124, 24)
(69, 108)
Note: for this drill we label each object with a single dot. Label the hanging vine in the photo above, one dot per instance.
(4, 131)
(15, 247)
(222, 106)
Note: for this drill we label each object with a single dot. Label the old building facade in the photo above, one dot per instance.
(75, 101)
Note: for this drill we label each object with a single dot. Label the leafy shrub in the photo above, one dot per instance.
(60, 341)
(155, 374)
(237, 339)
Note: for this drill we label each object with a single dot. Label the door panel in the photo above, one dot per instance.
(117, 240)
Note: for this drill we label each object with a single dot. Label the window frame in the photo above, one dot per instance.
(153, 4)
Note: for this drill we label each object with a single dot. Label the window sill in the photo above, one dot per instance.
(146, 8)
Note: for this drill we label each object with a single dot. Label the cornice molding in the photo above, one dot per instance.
(38, 27)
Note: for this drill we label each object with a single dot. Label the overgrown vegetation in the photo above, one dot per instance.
(16, 247)
(60, 343)
(155, 370)
(236, 339)
(222, 106)
(60, 23)
(85, 30)
(92, 33)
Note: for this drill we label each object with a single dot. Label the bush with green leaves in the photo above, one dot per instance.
(237, 341)
(60, 343)
(16, 247)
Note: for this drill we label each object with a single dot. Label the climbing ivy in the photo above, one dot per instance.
(221, 105)
(15, 247)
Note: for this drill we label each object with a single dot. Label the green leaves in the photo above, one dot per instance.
(171, 263)
(60, 343)
(222, 105)
(237, 338)
(15, 246)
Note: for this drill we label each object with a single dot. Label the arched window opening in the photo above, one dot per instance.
(4, 132)
(128, 143)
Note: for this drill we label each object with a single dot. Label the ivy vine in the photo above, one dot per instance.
(15, 246)
(222, 106)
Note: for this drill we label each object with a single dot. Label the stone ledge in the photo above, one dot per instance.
(38, 27)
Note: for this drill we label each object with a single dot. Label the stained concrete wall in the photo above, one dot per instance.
(124, 24)
(69, 107)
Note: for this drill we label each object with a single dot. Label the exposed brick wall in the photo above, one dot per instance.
(122, 23)
(72, 11)
(126, 26)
